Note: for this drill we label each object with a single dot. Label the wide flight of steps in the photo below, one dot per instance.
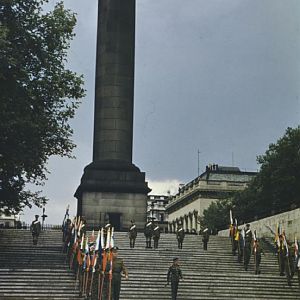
(39, 272)
(34, 272)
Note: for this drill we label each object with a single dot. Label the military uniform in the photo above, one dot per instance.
(118, 268)
(257, 251)
(132, 232)
(174, 275)
(148, 232)
(205, 238)
(239, 239)
(35, 228)
(247, 246)
(180, 237)
(156, 236)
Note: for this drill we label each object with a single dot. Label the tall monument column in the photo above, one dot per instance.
(112, 188)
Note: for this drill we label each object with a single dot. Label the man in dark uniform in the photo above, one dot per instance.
(35, 229)
(257, 251)
(156, 235)
(247, 246)
(240, 245)
(180, 236)
(205, 238)
(174, 275)
(148, 232)
(132, 233)
(118, 268)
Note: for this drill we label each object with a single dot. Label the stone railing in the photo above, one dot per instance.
(289, 222)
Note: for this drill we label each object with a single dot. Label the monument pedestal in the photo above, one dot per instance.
(113, 191)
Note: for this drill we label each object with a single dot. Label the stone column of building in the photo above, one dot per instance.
(195, 213)
(112, 188)
(190, 217)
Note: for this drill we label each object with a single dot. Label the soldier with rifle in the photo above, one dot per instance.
(205, 238)
(247, 246)
(35, 229)
(257, 252)
(180, 236)
(156, 235)
(132, 233)
(148, 232)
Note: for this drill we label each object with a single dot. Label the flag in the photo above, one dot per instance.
(112, 238)
(230, 217)
(98, 241)
(108, 239)
(296, 248)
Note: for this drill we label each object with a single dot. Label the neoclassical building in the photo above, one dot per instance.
(216, 183)
(156, 210)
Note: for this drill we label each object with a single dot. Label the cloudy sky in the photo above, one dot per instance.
(221, 76)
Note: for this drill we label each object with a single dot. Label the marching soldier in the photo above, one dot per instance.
(239, 239)
(247, 246)
(205, 238)
(118, 268)
(156, 236)
(67, 235)
(232, 234)
(132, 234)
(174, 275)
(148, 232)
(35, 229)
(257, 252)
(180, 236)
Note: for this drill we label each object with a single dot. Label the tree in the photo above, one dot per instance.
(216, 216)
(276, 187)
(38, 96)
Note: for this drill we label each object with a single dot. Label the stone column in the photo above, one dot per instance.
(112, 184)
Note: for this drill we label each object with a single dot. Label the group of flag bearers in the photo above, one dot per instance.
(94, 260)
(245, 242)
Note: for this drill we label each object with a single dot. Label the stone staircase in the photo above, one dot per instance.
(39, 272)
(34, 272)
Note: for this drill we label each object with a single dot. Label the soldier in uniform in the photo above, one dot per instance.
(247, 246)
(118, 268)
(174, 275)
(180, 236)
(239, 239)
(156, 235)
(205, 238)
(148, 232)
(35, 229)
(257, 251)
(132, 233)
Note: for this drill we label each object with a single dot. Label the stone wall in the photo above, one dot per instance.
(289, 221)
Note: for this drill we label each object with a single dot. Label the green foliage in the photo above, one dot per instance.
(216, 217)
(38, 96)
(275, 189)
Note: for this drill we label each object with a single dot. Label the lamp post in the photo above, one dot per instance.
(44, 216)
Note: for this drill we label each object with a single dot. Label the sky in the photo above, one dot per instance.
(216, 76)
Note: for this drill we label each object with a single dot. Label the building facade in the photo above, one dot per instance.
(156, 210)
(216, 183)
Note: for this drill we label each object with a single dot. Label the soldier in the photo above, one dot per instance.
(148, 232)
(239, 239)
(67, 235)
(180, 236)
(118, 268)
(247, 246)
(174, 275)
(35, 229)
(132, 233)
(281, 254)
(257, 251)
(232, 234)
(205, 238)
(156, 236)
